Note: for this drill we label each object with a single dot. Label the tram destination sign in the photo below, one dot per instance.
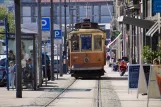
(133, 76)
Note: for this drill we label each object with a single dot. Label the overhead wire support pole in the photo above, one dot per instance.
(18, 49)
(60, 24)
(65, 37)
(52, 39)
(39, 43)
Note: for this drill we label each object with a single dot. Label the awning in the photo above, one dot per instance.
(114, 41)
(147, 24)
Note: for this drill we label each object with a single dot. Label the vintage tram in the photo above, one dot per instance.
(87, 50)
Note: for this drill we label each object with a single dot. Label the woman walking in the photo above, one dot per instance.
(11, 74)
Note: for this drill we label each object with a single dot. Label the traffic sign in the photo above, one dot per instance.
(57, 34)
(45, 24)
(156, 6)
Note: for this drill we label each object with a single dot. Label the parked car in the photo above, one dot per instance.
(3, 76)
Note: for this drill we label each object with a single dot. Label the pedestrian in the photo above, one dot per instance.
(47, 65)
(11, 74)
(155, 62)
(11, 56)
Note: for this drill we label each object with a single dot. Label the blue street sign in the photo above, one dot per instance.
(45, 24)
(156, 6)
(57, 34)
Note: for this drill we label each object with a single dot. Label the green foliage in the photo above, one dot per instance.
(149, 55)
(10, 18)
(11, 22)
(3, 12)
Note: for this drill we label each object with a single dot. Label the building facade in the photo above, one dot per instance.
(134, 19)
(100, 11)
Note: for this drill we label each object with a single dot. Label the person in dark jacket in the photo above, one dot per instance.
(47, 66)
(11, 56)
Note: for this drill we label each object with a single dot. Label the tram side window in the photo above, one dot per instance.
(75, 43)
(98, 42)
(86, 42)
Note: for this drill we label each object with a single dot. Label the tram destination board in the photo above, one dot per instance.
(133, 77)
(86, 41)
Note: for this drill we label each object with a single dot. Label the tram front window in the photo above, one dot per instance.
(86, 42)
(75, 43)
(98, 42)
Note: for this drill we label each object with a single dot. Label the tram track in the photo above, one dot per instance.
(99, 102)
(48, 104)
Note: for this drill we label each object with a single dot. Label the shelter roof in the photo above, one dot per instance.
(76, 0)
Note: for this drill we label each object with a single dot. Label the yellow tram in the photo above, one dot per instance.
(87, 50)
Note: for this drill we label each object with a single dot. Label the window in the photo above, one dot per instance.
(75, 43)
(98, 42)
(86, 41)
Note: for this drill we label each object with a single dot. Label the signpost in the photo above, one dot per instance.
(58, 41)
(133, 76)
(57, 34)
(45, 24)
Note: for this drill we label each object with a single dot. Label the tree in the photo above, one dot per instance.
(10, 16)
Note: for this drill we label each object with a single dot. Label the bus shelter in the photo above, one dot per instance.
(28, 60)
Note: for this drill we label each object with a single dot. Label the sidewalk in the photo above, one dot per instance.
(114, 74)
(129, 100)
(8, 98)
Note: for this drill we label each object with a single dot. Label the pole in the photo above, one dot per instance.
(60, 15)
(72, 19)
(70, 15)
(45, 66)
(6, 30)
(57, 61)
(65, 37)
(130, 44)
(52, 39)
(40, 44)
(34, 64)
(61, 70)
(18, 49)
(61, 73)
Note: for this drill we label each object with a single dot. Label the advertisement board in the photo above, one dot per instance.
(146, 69)
(154, 88)
(133, 76)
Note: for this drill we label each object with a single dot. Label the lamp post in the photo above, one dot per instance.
(18, 49)
(40, 43)
(52, 40)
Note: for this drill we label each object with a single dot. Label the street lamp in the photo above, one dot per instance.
(18, 49)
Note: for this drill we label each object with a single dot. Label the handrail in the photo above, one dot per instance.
(114, 40)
